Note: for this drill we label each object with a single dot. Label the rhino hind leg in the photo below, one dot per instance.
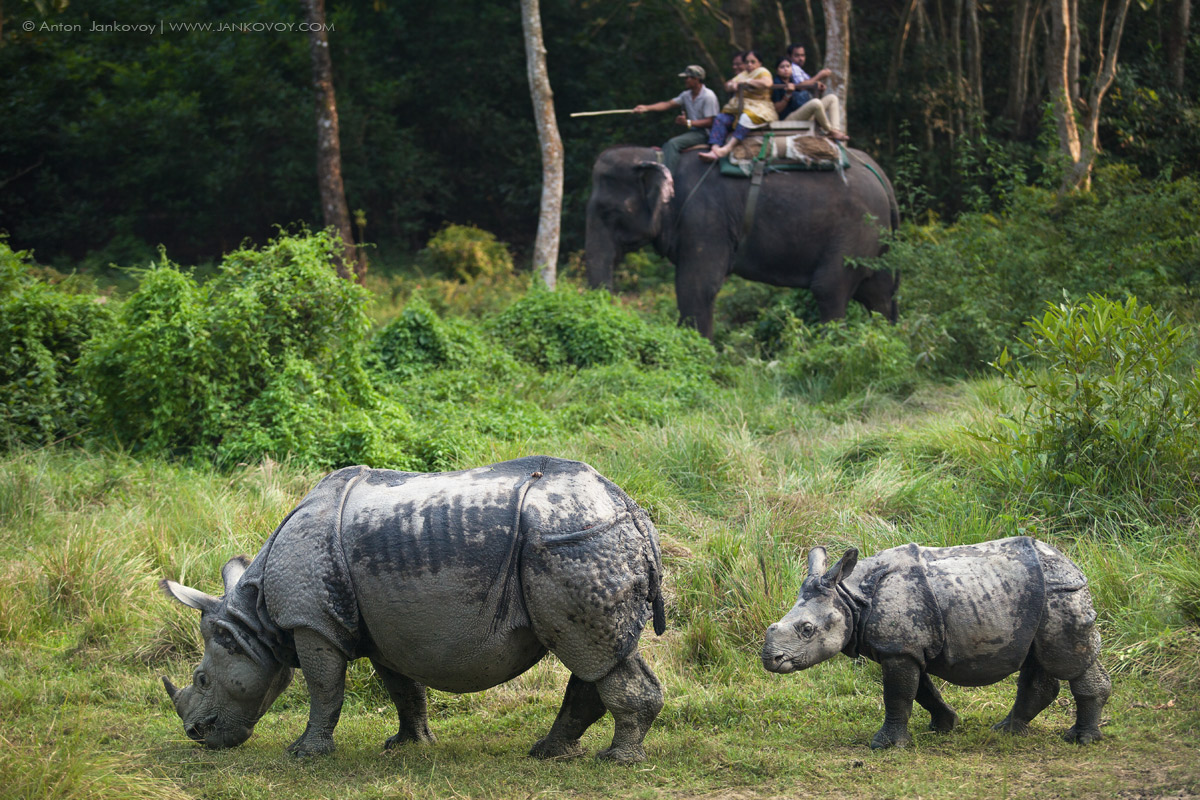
(581, 707)
(941, 716)
(1036, 689)
(1091, 691)
(634, 696)
(410, 699)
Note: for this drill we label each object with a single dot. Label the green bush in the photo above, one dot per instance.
(264, 359)
(972, 285)
(1111, 402)
(43, 330)
(832, 361)
(466, 253)
(551, 330)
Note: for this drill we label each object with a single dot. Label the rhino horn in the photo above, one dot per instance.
(172, 689)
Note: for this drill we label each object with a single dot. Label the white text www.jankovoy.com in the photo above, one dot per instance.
(168, 26)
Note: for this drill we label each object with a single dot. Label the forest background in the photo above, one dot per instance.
(162, 410)
(115, 142)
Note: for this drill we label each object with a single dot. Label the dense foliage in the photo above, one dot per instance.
(116, 141)
(1112, 404)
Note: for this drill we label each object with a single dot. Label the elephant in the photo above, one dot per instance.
(805, 225)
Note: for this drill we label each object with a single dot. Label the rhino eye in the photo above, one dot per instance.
(201, 680)
(807, 629)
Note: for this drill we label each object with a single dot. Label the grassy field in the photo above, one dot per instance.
(739, 492)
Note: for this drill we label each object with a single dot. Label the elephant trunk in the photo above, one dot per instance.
(600, 253)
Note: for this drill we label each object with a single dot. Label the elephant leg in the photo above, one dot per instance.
(634, 696)
(1091, 691)
(696, 294)
(581, 706)
(901, 680)
(832, 294)
(942, 717)
(324, 669)
(409, 697)
(1036, 689)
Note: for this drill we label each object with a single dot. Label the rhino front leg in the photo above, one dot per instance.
(1091, 691)
(901, 679)
(324, 669)
(1036, 689)
(410, 699)
(941, 716)
(581, 707)
(634, 696)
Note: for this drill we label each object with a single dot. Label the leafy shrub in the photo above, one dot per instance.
(43, 330)
(832, 361)
(1112, 407)
(264, 359)
(584, 329)
(981, 278)
(419, 339)
(466, 253)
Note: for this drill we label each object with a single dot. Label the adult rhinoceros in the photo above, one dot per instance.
(459, 581)
(804, 226)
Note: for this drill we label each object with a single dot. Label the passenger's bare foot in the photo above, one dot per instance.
(838, 136)
(709, 155)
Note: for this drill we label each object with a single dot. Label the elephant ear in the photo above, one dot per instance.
(658, 188)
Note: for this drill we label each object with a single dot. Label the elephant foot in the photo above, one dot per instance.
(891, 737)
(558, 749)
(1077, 735)
(628, 754)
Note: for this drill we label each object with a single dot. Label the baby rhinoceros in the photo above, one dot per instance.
(971, 615)
(457, 581)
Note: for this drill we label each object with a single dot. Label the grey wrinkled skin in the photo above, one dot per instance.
(971, 615)
(457, 581)
(804, 226)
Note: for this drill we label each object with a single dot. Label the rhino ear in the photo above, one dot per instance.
(842, 569)
(231, 573)
(193, 598)
(816, 561)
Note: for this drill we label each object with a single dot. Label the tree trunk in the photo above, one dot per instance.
(1081, 152)
(783, 23)
(1175, 39)
(1020, 48)
(741, 29)
(1058, 56)
(837, 49)
(329, 146)
(975, 60)
(815, 52)
(545, 248)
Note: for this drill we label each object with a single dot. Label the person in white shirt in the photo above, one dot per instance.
(698, 105)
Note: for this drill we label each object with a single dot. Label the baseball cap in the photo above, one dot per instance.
(693, 71)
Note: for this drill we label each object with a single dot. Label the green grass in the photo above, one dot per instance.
(739, 490)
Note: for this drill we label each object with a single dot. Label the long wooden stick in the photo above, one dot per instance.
(598, 113)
